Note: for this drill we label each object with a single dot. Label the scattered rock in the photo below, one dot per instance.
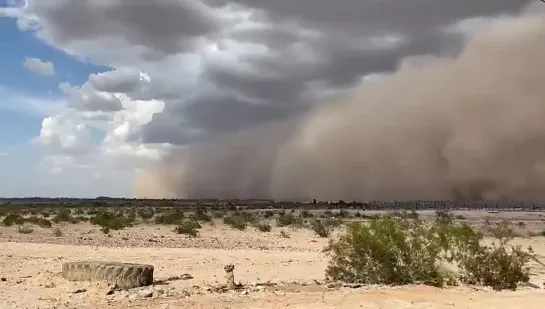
(141, 293)
(3, 279)
(110, 289)
(352, 285)
(333, 285)
(79, 291)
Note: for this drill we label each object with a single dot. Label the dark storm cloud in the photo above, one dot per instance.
(165, 26)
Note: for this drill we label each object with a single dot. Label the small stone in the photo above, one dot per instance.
(3, 279)
(79, 291)
(111, 289)
(245, 292)
(158, 292)
(142, 293)
(186, 277)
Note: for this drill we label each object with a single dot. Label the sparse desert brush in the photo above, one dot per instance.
(64, 215)
(284, 234)
(321, 229)
(306, 214)
(444, 217)
(41, 222)
(146, 214)
(170, 218)
(188, 227)
(263, 226)
(239, 220)
(201, 215)
(12, 219)
(25, 230)
(289, 219)
(396, 252)
(111, 221)
(324, 227)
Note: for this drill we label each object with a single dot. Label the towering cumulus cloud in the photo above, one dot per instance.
(470, 126)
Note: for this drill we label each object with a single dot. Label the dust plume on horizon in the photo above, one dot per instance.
(469, 126)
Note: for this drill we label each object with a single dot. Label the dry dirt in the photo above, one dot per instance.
(30, 265)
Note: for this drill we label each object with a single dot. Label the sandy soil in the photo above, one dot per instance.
(30, 267)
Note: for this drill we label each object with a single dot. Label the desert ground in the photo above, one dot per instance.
(283, 268)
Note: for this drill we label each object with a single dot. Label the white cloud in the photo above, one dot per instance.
(62, 134)
(39, 67)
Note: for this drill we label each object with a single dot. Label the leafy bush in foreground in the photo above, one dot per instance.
(396, 252)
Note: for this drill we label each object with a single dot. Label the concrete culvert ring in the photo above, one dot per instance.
(123, 275)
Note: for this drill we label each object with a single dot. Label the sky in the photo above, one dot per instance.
(93, 91)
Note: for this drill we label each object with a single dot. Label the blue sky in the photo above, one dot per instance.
(19, 127)
(26, 99)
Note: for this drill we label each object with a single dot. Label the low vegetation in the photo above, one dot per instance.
(188, 227)
(109, 220)
(396, 251)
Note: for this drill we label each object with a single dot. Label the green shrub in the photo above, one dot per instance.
(263, 227)
(320, 228)
(64, 215)
(237, 221)
(12, 219)
(200, 215)
(496, 266)
(444, 217)
(111, 221)
(170, 218)
(188, 227)
(41, 222)
(396, 252)
(146, 214)
(306, 214)
(288, 219)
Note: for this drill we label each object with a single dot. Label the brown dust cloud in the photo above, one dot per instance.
(469, 126)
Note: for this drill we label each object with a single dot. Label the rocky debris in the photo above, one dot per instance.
(78, 291)
(3, 279)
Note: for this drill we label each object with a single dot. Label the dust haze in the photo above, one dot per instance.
(470, 126)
